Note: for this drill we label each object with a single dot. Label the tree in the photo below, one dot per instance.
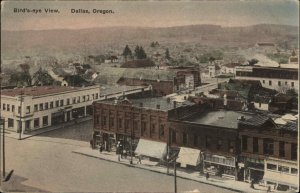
(252, 61)
(142, 53)
(41, 77)
(127, 52)
(137, 52)
(167, 54)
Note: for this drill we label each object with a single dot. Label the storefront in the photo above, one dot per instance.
(253, 170)
(219, 165)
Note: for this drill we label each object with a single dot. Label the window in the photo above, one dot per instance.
(126, 124)
(195, 140)
(96, 95)
(294, 151)
(56, 103)
(28, 109)
(93, 96)
(294, 171)
(97, 120)
(244, 143)
(281, 149)
(104, 121)
(263, 81)
(135, 125)
(270, 82)
(143, 126)
(153, 126)
(292, 83)
(219, 144)
(173, 136)
(74, 100)
(4, 106)
(87, 97)
(8, 107)
(112, 122)
(259, 104)
(36, 108)
(255, 144)
(19, 110)
(285, 83)
(268, 146)
(51, 105)
(284, 169)
(230, 146)
(45, 120)
(41, 106)
(184, 138)
(207, 141)
(161, 130)
(10, 122)
(36, 123)
(279, 83)
(46, 105)
(68, 101)
(13, 108)
(83, 98)
(271, 166)
(120, 125)
(78, 99)
(61, 102)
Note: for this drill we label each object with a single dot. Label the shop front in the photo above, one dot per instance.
(219, 165)
(253, 170)
(188, 157)
(154, 150)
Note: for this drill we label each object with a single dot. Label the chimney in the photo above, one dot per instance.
(174, 104)
(141, 105)
(157, 106)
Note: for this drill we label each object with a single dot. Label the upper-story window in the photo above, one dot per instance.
(294, 151)
(78, 99)
(8, 107)
(279, 83)
(68, 101)
(161, 130)
(244, 143)
(36, 108)
(4, 106)
(83, 98)
(97, 95)
(41, 106)
(88, 97)
(268, 146)
(61, 102)
(93, 96)
(184, 138)
(219, 144)
(208, 142)
(281, 149)
(51, 105)
(174, 136)
(74, 100)
(13, 108)
(56, 103)
(270, 82)
(46, 105)
(28, 109)
(255, 144)
(292, 84)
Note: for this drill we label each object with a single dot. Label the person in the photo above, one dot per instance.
(119, 158)
(125, 154)
(269, 189)
(252, 184)
(207, 176)
(140, 159)
(101, 149)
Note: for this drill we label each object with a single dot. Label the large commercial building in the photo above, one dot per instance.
(38, 107)
(278, 78)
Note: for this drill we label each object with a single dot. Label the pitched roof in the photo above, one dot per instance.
(290, 126)
(256, 121)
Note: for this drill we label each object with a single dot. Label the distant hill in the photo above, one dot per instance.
(60, 41)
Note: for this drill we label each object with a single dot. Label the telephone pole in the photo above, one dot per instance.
(20, 120)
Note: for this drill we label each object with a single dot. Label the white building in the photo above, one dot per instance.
(213, 70)
(45, 106)
(229, 68)
(278, 78)
(281, 174)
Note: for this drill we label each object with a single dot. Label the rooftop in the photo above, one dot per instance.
(38, 91)
(290, 126)
(149, 103)
(108, 89)
(220, 118)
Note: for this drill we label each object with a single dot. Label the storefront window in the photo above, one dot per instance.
(294, 170)
(271, 166)
(283, 169)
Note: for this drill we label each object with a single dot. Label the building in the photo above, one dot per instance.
(269, 152)
(214, 70)
(294, 58)
(135, 120)
(39, 107)
(270, 77)
(229, 68)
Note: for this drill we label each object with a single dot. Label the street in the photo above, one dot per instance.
(46, 163)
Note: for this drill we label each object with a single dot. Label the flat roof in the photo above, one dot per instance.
(108, 89)
(38, 91)
(151, 103)
(220, 118)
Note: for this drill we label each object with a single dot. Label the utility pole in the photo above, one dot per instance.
(20, 120)
(131, 138)
(3, 150)
(175, 180)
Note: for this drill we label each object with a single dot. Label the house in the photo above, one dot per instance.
(213, 70)
(112, 59)
(229, 68)
(294, 58)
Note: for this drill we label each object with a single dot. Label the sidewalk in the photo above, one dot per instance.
(153, 166)
(15, 135)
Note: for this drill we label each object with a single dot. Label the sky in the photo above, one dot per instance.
(148, 13)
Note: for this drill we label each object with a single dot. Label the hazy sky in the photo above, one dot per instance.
(149, 13)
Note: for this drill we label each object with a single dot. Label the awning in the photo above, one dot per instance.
(188, 156)
(152, 149)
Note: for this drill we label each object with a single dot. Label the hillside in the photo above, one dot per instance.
(95, 40)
